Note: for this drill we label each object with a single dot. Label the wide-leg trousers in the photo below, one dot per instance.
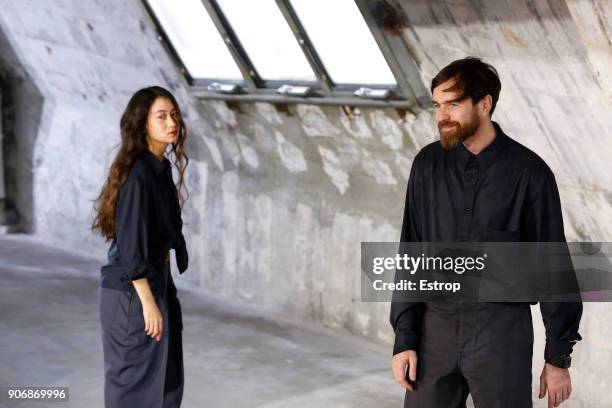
(484, 349)
(138, 370)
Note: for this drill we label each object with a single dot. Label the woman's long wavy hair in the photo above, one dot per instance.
(133, 142)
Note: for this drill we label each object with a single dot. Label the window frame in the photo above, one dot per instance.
(408, 92)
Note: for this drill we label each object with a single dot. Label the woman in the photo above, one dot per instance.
(139, 209)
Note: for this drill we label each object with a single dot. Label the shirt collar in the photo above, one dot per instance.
(485, 157)
(158, 166)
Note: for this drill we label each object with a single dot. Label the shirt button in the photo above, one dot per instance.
(471, 179)
(467, 210)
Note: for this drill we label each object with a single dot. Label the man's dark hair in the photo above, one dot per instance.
(474, 79)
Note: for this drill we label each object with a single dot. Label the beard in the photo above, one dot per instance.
(453, 136)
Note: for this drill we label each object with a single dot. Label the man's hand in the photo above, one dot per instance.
(406, 360)
(558, 383)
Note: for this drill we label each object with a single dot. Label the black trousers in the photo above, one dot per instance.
(482, 349)
(138, 370)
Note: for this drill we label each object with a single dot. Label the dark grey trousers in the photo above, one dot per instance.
(484, 349)
(138, 370)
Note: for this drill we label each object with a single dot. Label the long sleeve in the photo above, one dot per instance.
(131, 215)
(405, 317)
(544, 223)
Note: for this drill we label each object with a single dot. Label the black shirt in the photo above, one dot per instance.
(148, 224)
(505, 193)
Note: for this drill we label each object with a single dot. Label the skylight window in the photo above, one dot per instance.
(196, 39)
(343, 41)
(267, 39)
(292, 51)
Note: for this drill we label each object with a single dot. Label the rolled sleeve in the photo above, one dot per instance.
(131, 229)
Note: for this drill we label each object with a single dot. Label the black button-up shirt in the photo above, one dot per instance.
(505, 193)
(148, 224)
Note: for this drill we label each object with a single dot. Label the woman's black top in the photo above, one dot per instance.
(148, 224)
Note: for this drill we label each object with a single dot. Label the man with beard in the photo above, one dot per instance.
(477, 185)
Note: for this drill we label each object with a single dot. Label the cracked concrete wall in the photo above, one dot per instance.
(281, 197)
(299, 189)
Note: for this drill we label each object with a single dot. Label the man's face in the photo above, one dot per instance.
(457, 119)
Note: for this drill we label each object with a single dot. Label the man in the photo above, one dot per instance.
(478, 184)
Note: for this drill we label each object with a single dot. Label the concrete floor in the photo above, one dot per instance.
(233, 358)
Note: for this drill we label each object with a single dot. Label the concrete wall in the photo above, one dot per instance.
(20, 114)
(281, 198)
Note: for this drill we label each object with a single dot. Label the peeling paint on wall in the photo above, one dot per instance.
(314, 122)
(389, 131)
(291, 157)
(332, 167)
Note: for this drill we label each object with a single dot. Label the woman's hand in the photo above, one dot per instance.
(154, 322)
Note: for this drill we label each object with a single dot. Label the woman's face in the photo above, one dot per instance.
(163, 122)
